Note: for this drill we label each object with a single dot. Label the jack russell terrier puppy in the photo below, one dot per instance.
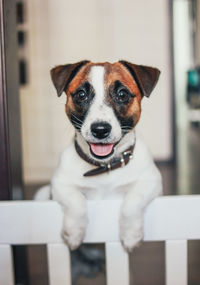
(106, 160)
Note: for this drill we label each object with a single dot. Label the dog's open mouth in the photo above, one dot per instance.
(101, 150)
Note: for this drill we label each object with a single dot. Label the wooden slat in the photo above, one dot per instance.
(59, 265)
(31, 222)
(117, 264)
(6, 265)
(176, 262)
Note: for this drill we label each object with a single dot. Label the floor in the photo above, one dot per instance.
(147, 261)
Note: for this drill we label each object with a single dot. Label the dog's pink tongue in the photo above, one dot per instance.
(101, 149)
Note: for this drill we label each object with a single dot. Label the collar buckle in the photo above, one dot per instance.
(122, 160)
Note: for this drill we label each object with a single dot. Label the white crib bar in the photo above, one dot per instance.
(6, 265)
(117, 264)
(30, 222)
(59, 264)
(176, 262)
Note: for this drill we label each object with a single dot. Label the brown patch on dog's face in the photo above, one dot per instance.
(123, 94)
(75, 108)
(76, 82)
(79, 96)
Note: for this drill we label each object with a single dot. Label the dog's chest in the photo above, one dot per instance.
(110, 185)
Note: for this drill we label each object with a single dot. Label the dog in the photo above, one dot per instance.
(106, 159)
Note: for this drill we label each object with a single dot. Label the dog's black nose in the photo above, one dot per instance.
(101, 130)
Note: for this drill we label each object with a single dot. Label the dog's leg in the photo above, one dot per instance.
(135, 202)
(75, 220)
(75, 214)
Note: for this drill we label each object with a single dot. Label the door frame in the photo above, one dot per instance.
(10, 126)
(11, 187)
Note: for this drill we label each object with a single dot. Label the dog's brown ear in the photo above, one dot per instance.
(62, 75)
(146, 77)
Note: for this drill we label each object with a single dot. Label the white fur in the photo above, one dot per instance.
(137, 183)
(99, 111)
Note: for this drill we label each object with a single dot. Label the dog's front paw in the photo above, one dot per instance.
(73, 232)
(131, 233)
(73, 239)
(131, 239)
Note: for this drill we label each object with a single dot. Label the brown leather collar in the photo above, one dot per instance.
(105, 167)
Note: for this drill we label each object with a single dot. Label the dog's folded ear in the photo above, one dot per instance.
(146, 77)
(62, 75)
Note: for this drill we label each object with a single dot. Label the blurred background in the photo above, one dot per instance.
(165, 34)
(69, 31)
(160, 33)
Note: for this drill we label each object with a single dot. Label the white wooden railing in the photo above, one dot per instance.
(171, 219)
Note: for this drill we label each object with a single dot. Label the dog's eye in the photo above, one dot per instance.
(122, 96)
(81, 95)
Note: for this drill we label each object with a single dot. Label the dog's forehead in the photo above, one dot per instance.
(110, 72)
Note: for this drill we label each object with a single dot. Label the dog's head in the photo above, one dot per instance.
(104, 100)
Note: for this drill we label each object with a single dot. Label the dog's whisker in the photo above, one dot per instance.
(125, 132)
(124, 126)
(77, 127)
(75, 123)
(79, 120)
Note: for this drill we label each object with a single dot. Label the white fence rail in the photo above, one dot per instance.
(172, 219)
